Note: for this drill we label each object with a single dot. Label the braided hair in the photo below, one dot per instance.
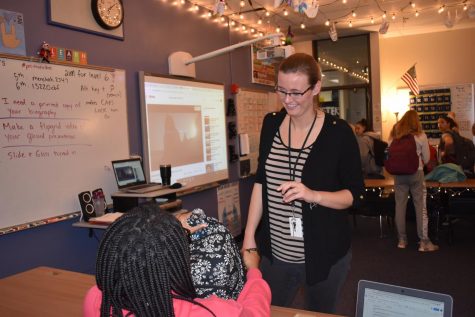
(143, 263)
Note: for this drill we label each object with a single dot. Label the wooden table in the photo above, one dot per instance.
(389, 182)
(45, 291)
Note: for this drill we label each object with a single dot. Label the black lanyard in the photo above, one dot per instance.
(292, 170)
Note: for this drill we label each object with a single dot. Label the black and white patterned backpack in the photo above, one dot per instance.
(216, 264)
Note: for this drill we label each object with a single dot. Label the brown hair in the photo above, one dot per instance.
(409, 124)
(302, 63)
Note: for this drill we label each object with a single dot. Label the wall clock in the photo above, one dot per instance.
(109, 14)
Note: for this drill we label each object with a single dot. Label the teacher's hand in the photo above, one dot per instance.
(297, 191)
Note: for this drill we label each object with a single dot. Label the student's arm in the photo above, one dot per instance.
(255, 297)
(253, 218)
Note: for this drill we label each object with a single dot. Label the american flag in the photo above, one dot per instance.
(410, 79)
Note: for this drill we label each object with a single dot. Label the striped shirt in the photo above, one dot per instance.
(284, 247)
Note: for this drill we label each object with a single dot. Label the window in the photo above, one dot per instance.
(346, 90)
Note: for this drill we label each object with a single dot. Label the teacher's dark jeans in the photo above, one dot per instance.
(285, 280)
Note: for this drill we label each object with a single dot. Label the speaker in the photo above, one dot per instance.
(87, 205)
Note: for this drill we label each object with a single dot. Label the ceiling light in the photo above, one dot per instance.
(327, 23)
(277, 29)
(384, 15)
(286, 13)
(353, 13)
(372, 20)
(394, 16)
(465, 7)
(441, 9)
(350, 24)
(259, 21)
(196, 8)
(413, 4)
(241, 16)
(343, 1)
(416, 14)
(242, 3)
(302, 26)
(233, 23)
(267, 13)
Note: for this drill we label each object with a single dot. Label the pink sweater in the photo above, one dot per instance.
(254, 301)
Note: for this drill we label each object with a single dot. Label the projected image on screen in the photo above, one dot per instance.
(184, 125)
(175, 129)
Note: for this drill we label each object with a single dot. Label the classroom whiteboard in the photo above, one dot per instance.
(60, 128)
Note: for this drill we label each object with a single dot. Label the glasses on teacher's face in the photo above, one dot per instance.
(293, 94)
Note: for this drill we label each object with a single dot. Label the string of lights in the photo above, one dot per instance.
(254, 19)
(363, 76)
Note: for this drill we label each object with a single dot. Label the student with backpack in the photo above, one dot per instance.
(371, 150)
(407, 153)
(454, 148)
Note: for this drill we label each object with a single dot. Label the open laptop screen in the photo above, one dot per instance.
(128, 173)
(384, 300)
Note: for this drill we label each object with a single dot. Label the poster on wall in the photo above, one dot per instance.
(263, 71)
(229, 211)
(462, 105)
(12, 33)
(251, 108)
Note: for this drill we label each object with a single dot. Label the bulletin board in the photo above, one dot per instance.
(61, 127)
(436, 101)
(251, 108)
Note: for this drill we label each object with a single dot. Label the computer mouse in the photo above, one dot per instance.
(176, 185)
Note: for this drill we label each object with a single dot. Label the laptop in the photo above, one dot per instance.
(378, 299)
(131, 178)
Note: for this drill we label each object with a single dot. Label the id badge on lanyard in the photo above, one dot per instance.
(295, 227)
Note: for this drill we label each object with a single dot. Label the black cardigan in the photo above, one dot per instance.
(333, 164)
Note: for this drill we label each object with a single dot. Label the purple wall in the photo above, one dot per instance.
(152, 31)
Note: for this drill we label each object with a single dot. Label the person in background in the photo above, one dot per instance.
(447, 152)
(473, 129)
(455, 127)
(309, 174)
(365, 139)
(143, 269)
(403, 184)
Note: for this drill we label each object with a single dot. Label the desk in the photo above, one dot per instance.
(389, 182)
(45, 291)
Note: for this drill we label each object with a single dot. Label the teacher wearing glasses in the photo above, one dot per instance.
(309, 174)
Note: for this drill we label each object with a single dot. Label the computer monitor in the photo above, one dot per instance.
(183, 124)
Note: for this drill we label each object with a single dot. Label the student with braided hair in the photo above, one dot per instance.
(143, 269)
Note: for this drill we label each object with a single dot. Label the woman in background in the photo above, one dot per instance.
(143, 269)
(308, 175)
(365, 139)
(410, 124)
